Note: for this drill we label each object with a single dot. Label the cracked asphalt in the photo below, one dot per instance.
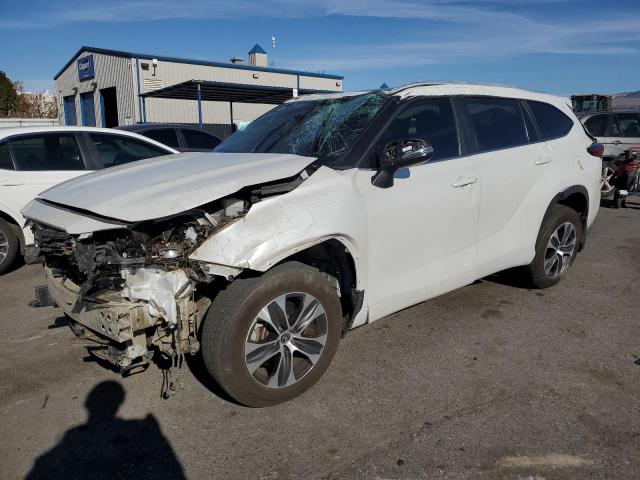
(492, 381)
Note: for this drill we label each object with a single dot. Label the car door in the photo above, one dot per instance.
(509, 168)
(198, 140)
(40, 161)
(422, 230)
(624, 132)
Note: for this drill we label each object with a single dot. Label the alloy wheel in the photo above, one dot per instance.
(286, 340)
(560, 250)
(4, 246)
(606, 181)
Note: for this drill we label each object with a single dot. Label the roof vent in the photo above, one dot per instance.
(257, 56)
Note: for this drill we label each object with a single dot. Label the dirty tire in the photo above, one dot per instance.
(556, 216)
(232, 314)
(9, 246)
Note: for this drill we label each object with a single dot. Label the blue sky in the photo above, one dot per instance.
(558, 46)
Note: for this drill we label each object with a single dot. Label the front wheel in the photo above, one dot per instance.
(560, 235)
(267, 339)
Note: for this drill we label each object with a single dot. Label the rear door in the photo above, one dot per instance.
(39, 161)
(510, 161)
(625, 132)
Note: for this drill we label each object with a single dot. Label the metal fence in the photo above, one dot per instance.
(29, 122)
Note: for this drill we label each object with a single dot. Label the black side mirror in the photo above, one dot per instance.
(400, 154)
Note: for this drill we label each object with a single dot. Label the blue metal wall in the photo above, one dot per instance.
(70, 110)
(88, 109)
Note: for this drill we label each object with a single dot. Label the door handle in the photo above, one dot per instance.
(543, 160)
(464, 181)
(617, 142)
(4, 182)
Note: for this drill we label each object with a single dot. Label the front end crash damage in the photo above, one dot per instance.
(132, 292)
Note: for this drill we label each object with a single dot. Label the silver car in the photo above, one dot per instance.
(617, 131)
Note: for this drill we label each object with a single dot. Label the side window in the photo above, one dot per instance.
(497, 122)
(551, 121)
(5, 157)
(626, 125)
(431, 120)
(166, 136)
(119, 149)
(196, 139)
(51, 151)
(597, 125)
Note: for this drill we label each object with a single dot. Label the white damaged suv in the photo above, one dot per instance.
(326, 213)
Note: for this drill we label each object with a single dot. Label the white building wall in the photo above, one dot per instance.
(123, 73)
(186, 111)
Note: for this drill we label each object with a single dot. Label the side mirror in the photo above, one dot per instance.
(400, 154)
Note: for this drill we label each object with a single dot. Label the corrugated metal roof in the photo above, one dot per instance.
(228, 92)
(119, 53)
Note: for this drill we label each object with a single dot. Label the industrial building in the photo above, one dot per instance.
(107, 88)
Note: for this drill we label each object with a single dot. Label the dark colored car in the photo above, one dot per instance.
(183, 138)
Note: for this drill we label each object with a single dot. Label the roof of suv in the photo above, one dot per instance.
(449, 88)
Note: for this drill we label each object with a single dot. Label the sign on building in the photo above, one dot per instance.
(86, 69)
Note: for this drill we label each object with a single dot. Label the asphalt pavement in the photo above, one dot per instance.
(492, 381)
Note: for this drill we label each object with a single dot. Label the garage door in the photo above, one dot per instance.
(88, 109)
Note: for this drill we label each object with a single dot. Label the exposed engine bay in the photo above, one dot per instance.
(133, 291)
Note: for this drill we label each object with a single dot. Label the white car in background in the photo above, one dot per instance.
(328, 212)
(33, 159)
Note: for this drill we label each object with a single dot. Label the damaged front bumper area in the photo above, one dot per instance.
(133, 292)
(154, 311)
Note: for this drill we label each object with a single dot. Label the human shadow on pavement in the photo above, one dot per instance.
(108, 447)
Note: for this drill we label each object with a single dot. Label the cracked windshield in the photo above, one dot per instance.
(321, 128)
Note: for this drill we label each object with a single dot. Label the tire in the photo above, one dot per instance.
(231, 322)
(9, 246)
(558, 216)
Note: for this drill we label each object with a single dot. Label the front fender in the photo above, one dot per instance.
(326, 206)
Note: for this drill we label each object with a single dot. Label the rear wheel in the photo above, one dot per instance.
(560, 235)
(9, 246)
(267, 339)
(608, 180)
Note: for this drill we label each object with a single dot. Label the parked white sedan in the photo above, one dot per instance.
(33, 159)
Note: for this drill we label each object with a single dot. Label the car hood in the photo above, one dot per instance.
(163, 186)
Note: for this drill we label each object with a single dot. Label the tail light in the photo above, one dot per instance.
(596, 149)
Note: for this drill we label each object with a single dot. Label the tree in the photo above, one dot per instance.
(8, 96)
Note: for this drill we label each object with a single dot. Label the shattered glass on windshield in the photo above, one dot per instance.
(321, 128)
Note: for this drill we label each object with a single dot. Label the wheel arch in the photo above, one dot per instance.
(575, 197)
(13, 222)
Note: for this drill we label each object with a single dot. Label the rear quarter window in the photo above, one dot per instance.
(552, 123)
